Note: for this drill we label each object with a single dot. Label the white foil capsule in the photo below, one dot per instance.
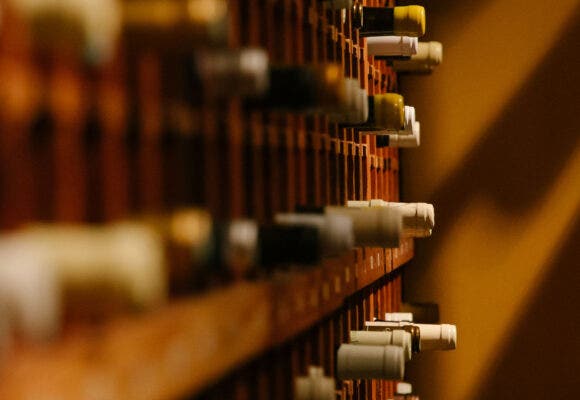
(429, 55)
(405, 140)
(399, 316)
(418, 218)
(438, 337)
(243, 72)
(392, 46)
(409, 121)
(432, 336)
(399, 338)
(370, 362)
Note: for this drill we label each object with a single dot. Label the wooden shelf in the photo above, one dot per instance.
(189, 344)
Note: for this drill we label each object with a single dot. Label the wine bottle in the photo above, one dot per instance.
(357, 110)
(389, 117)
(247, 73)
(306, 89)
(408, 137)
(372, 227)
(401, 140)
(399, 338)
(205, 252)
(380, 21)
(336, 231)
(429, 55)
(399, 317)
(418, 218)
(241, 248)
(370, 362)
(432, 336)
(55, 272)
(386, 113)
(413, 330)
(310, 89)
(392, 47)
(222, 73)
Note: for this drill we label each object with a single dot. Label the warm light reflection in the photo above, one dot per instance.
(486, 267)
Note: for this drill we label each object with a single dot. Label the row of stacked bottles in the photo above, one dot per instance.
(157, 150)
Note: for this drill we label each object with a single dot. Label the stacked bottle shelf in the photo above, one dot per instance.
(97, 130)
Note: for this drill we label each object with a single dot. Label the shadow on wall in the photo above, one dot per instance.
(445, 11)
(514, 163)
(525, 149)
(530, 143)
(543, 361)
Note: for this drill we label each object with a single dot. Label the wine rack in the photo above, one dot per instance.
(86, 142)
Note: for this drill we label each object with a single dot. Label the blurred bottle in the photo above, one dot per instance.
(372, 227)
(356, 112)
(429, 55)
(203, 253)
(370, 362)
(223, 73)
(175, 25)
(314, 386)
(336, 231)
(386, 112)
(218, 74)
(399, 338)
(94, 28)
(418, 218)
(246, 73)
(307, 89)
(88, 28)
(248, 248)
(55, 273)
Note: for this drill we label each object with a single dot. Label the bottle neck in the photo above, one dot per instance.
(374, 21)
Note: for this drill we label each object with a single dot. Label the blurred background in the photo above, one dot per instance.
(500, 160)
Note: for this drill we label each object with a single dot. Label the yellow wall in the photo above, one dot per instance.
(500, 159)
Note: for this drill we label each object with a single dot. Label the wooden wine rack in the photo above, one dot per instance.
(246, 340)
